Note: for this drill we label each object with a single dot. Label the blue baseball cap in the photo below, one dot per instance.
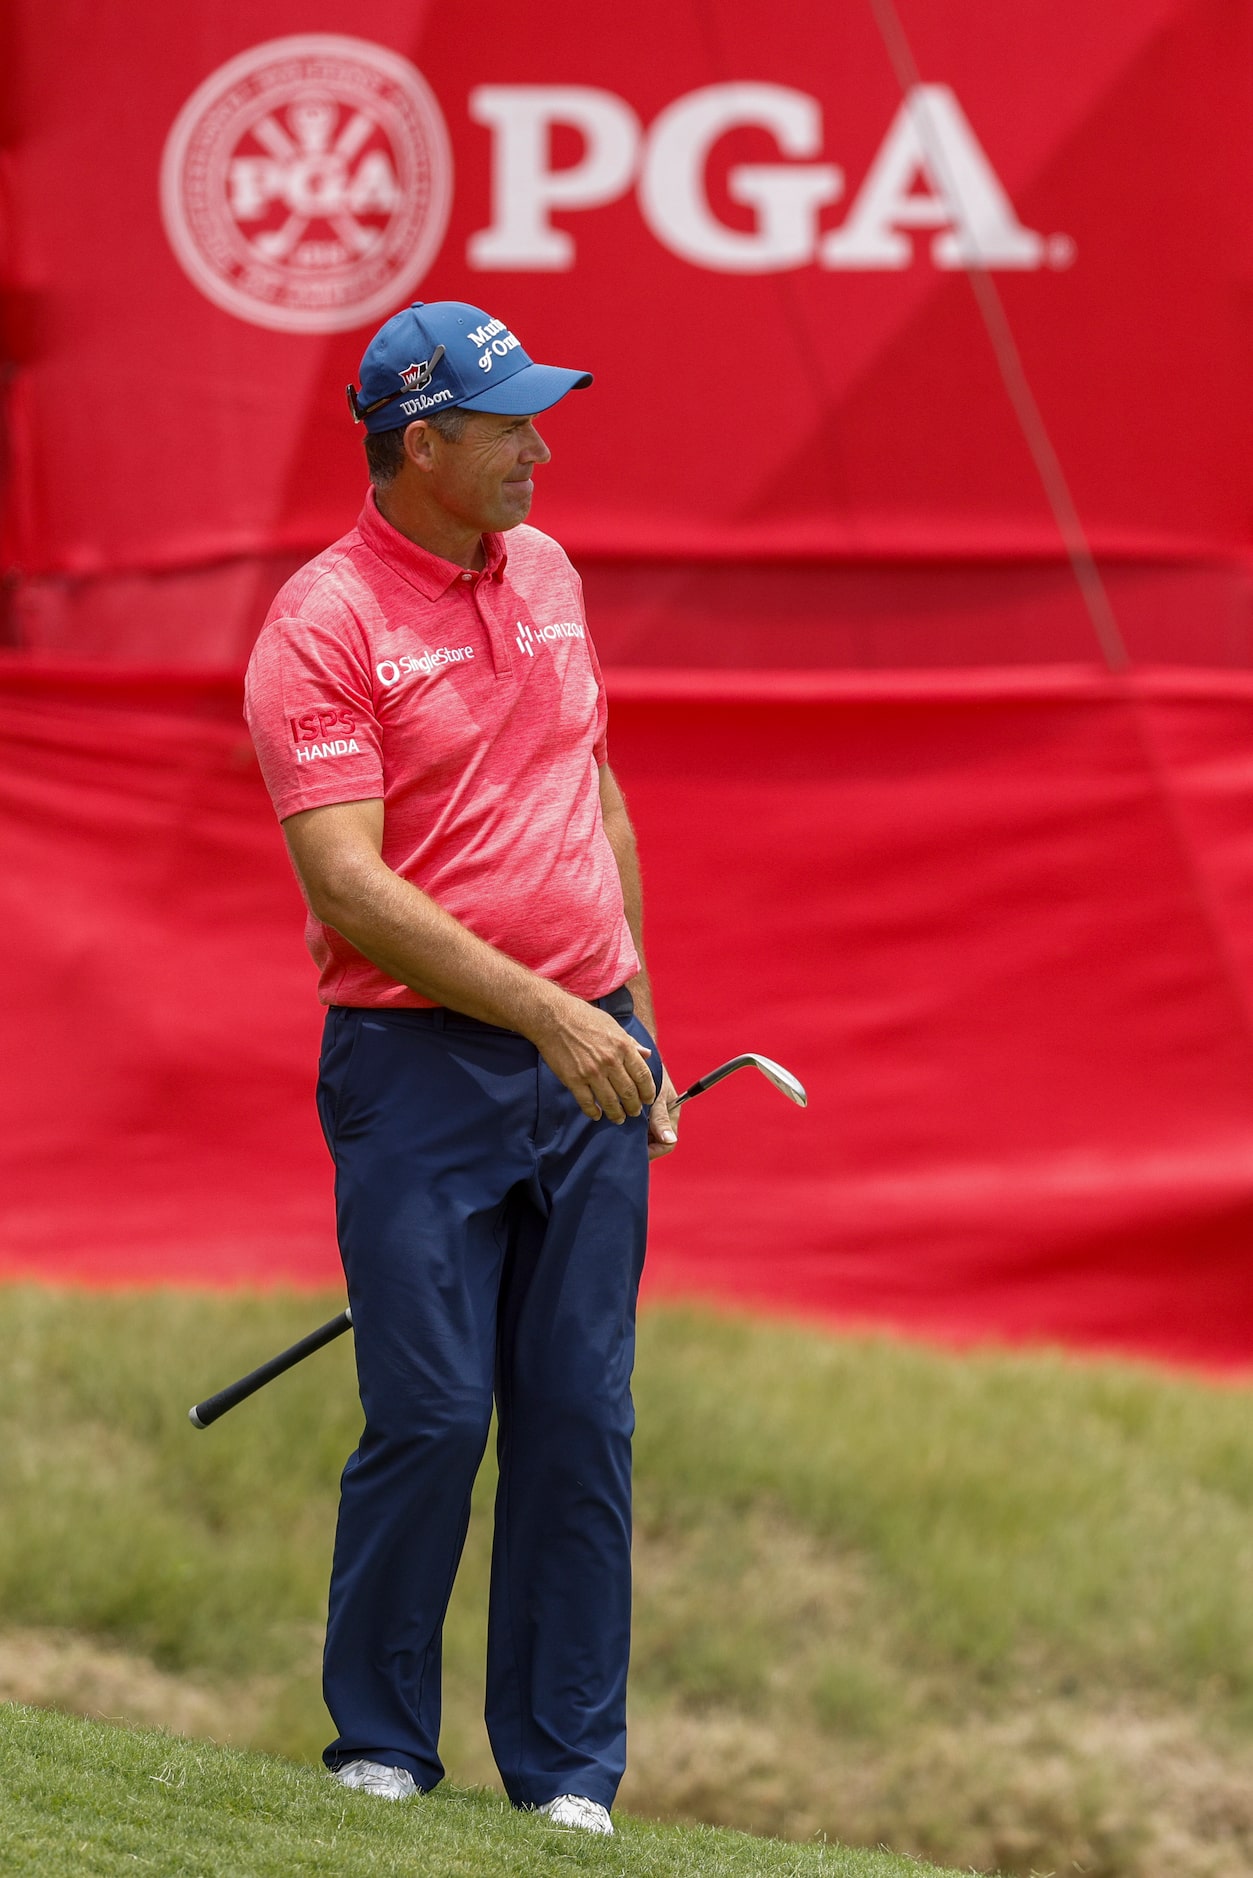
(442, 355)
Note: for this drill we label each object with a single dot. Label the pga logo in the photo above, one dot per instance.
(306, 184)
(930, 173)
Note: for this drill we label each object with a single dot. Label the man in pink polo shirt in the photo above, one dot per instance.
(430, 719)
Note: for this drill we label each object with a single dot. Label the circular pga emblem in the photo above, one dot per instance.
(306, 184)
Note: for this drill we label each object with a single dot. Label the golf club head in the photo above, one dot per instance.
(774, 1073)
(782, 1079)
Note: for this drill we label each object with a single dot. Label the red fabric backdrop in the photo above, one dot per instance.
(1021, 1125)
(995, 907)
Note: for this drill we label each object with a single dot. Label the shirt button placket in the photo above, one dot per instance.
(502, 661)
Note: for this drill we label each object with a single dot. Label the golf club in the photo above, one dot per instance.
(214, 1406)
(235, 1392)
(774, 1073)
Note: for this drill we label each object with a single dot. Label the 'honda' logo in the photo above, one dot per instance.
(527, 637)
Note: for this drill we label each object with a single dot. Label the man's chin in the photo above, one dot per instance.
(514, 512)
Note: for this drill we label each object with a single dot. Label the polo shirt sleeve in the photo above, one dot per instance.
(309, 702)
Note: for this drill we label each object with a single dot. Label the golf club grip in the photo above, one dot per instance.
(214, 1406)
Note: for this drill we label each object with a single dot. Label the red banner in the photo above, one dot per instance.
(1001, 922)
(742, 219)
(1014, 973)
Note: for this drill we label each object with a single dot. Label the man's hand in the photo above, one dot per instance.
(337, 853)
(663, 1122)
(600, 1063)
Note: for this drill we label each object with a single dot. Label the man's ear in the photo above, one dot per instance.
(420, 445)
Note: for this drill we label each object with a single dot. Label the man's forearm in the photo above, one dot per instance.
(662, 1136)
(337, 853)
(626, 855)
(411, 938)
(621, 838)
(641, 990)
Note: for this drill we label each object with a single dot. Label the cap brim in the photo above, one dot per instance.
(534, 388)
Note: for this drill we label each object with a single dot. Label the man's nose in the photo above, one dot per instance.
(534, 449)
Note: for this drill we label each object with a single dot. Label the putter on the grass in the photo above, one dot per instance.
(213, 1406)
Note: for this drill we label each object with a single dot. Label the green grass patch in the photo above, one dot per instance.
(1096, 1519)
(995, 1610)
(82, 1800)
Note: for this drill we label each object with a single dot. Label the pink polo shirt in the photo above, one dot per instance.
(474, 706)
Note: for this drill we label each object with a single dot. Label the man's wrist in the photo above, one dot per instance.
(541, 1018)
(641, 990)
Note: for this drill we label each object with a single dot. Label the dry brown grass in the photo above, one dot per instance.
(56, 1669)
(1066, 1788)
(843, 1742)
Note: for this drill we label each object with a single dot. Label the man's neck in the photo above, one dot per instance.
(435, 531)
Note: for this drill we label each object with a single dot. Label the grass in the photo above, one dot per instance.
(81, 1800)
(994, 1610)
(1095, 1517)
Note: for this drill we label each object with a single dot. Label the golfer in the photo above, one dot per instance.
(430, 720)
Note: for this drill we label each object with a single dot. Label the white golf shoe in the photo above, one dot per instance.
(571, 1809)
(386, 1783)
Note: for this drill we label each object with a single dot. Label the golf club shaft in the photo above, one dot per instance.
(214, 1405)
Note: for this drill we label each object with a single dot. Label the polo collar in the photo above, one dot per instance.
(430, 573)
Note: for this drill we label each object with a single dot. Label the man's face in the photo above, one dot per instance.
(484, 480)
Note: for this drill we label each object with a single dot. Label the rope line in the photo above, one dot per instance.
(1008, 358)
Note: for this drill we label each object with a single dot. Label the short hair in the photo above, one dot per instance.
(385, 449)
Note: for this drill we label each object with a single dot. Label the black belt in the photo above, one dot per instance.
(618, 1003)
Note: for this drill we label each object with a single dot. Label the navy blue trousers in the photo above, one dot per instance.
(493, 1240)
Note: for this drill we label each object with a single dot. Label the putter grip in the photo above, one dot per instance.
(217, 1405)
